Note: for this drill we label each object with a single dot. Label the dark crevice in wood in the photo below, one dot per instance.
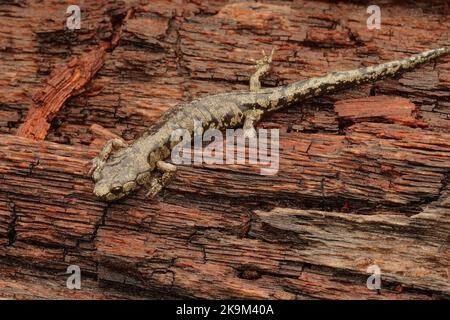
(11, 235)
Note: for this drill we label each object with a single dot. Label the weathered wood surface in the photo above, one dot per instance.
(363, 174)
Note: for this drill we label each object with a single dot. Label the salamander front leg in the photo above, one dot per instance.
(168, 171)
(262, 67)
(154, 188)
(109, 147)
(158, 183)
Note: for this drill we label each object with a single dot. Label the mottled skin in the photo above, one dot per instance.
(120, 169)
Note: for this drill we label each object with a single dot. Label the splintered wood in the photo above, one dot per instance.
(363, 177)
(64, 82)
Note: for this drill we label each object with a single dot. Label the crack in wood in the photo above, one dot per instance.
(11, 234)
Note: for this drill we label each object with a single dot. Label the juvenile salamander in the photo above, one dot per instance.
(120, 168)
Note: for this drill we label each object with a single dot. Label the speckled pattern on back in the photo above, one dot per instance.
(126, 169)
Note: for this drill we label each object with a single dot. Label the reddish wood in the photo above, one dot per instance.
(101, 135)
(363, 174)
(384, 109)
(65, 82)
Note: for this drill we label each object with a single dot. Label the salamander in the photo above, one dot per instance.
(121, 168)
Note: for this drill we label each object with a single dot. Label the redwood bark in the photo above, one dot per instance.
(363, 177)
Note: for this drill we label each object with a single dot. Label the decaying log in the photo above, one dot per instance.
(162, 244)
(363, 175)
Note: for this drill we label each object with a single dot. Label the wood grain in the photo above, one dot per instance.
(363, 177)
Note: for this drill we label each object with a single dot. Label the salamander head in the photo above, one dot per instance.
(123, 172)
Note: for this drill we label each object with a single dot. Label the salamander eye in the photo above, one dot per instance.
(116, 189)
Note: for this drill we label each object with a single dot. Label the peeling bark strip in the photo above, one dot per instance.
(65, 82)
(380, 108)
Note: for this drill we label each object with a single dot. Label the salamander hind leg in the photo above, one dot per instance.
(262, 67)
